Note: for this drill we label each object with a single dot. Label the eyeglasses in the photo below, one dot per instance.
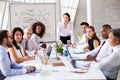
(10, 37)
(29, 33)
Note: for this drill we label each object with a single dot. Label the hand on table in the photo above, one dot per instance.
(90, 58)
(30, 69)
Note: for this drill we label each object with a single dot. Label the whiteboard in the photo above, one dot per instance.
(24, 15)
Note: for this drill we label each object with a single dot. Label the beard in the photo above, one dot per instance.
(9, 45)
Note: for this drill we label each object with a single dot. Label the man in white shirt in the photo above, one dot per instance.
(84, 39)
(29, 44)
(104, 49)
(110, 65)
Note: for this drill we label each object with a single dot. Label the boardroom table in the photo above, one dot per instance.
(57, 73)
(50, 72)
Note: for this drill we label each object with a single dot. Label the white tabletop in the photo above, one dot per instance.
(58, 73)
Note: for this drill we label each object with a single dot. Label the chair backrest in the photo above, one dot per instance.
(79, 36)
(118, 76)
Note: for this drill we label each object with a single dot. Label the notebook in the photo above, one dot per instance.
(67, 63)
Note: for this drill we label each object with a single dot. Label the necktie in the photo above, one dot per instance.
(99, 49)
(19, 48)
(26, 45)
(9, 55)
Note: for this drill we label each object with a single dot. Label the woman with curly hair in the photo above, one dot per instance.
(38, 31)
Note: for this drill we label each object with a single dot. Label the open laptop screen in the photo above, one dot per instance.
(68, 64)
(49, 51)
(73, 58)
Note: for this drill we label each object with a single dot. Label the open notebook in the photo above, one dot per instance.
(68, 64)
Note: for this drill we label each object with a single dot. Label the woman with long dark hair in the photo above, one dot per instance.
(93, 40)
(17, 51)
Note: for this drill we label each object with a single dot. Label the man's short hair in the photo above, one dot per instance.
(84, 23)
(3, 34)
(107, 26)
(116, 33)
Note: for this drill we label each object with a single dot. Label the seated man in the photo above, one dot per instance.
(29, 44)
(84, 40)
(102, 50)
(110, 65)
(84, 25)
(7, 67)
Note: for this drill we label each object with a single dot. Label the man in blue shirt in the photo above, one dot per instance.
(7, 67)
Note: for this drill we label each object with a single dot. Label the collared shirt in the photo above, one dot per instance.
(35, 38)
(7, 67)
(110, 65)
(31, 44)
(104, 51)
(65, 31)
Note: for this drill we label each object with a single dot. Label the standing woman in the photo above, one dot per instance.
(93, 40)
(17, 51)
(65, 29)
(38, 31)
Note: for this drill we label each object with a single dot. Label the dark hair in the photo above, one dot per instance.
(94, 36)
(107, 26)
(3, 34)
(13, 34)
(42, 27)
(67, 15)
(84, 23)
(115, 32)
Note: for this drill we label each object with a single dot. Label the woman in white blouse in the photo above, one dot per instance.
(17, 51)
(65, 29)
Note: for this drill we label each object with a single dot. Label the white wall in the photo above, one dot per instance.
(104, 12)
(2, 4)
(81, 15)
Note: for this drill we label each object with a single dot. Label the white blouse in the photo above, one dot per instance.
(65, 31)
(19, 52)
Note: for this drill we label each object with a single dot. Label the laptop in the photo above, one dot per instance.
(74, 58)
(69, 65)
(49, 51)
